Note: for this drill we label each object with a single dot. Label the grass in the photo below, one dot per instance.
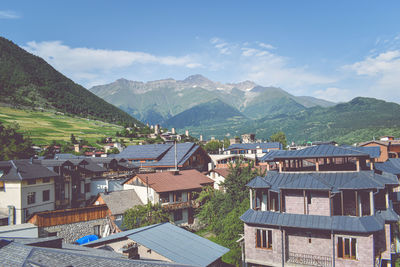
(43, 127)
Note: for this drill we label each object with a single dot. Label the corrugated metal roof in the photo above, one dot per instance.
(373, 151)
(390, 166)
(366, 224)
(179, 245)
(249, 146)
(172, 242)
(335, 181)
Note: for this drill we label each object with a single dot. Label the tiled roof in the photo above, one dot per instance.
(224, 172)
(23, 170)
(249, 146)
(172, 242)
(168, 181)
(365, 224)
(120, 201)
(334, 181)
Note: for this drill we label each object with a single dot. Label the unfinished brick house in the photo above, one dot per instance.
(323, 206)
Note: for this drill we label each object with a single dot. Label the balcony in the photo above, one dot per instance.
(309, 260)
(179, 205)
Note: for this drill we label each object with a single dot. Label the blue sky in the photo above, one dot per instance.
(334, 50)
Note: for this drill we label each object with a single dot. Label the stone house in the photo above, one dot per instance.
(175, 191)
(322, 207)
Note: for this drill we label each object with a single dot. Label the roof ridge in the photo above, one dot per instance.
(322, 180)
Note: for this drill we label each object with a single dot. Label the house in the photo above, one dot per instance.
(165, 242)
(51, 251)
(25, 188)
(222, 161)
(175, 191)
(323, 206)
(218, 176)
(117, 203)
(111, 146)
(258, 149)
(389, 148)
(72, 224)
(165, 156)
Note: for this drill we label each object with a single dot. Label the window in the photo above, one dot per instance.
(31, 181)
(178, 216)
(264, 239)
(177, 196)
(309, 198)
(46, 180)
(347, 248)
(46, 195)
(87, 188)
(164, 197)
(31, 198)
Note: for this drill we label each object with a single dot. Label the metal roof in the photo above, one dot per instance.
(321, 151)
(333, 181)
(249, 146)
(366, 224)
(373, 151)
(390, 166)
(153, 151)
(172, 242)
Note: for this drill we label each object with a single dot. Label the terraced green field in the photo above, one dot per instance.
(43, 127)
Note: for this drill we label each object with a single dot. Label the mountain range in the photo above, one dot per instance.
(214, 109)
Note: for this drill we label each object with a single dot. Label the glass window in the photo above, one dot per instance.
(178, 216)
(46, 195)
(31, 198)
(263, 238)
(347, 248)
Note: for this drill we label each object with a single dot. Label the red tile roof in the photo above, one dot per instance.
(168, 181)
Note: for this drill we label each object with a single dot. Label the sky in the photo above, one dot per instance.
(335, 50)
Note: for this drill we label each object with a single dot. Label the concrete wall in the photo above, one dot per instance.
(141, 191)
(218, 179)
(365, 252)
(12, 196)
(310, 242)
(71, 232)
(39, 204)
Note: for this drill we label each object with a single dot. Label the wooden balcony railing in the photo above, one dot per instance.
(310, 260)
(179, 205)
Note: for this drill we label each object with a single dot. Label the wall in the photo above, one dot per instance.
(384, 152)
(12, 196)
(298, 241)
(262, 256)
(71, 232)
(99, 185)
(26, 230)
(365, 252)
(141, 191)
(146, 254)
(294, 202)
(39, 204)
(217, 179)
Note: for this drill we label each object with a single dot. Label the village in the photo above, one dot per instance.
(321, 204)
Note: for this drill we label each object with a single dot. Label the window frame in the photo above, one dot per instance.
(342, 246)
(180, 217)
(43, 195)
(31, 198)
(263, 239)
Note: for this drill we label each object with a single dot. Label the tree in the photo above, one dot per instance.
(227, 143)
(143, 215)
(14, 145)
(213, 146)
(73, 139)
(113, 151)
(279, 137)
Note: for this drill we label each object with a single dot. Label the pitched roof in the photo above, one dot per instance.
(249, 146)
(333, 181)
(365, 224)
(321, 151)
(14, 253)
(174, 243)
(373, 151)
(120, 201)
(169, 181)
(153, 151)
(224, 172)
(390, 166)
(24, 170)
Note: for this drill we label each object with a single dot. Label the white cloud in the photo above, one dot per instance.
(7, 14)
(266, 46)
(87, 64)
(383, 72)
(223, 47)
(334, 94)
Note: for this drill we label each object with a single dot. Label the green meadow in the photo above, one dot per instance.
(45, 126)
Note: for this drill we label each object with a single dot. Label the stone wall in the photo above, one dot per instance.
(71, 232)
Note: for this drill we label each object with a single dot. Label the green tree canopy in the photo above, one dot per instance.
(213, 146)
(14, 145)
(279, 137)
(144, 215)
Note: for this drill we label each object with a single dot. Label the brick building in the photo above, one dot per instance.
(323, 206)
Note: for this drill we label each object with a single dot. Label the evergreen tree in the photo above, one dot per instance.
(14, 145)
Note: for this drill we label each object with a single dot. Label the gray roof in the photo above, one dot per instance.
(315, 152)
(333, 181)
(120, 201)
(390, 166)
(373, 151)
(174, 243)
(24, 169)
(15, 254)
(366, 224)
(153, 151)
(249, 146)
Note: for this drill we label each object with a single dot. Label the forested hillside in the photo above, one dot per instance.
(27, 80)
